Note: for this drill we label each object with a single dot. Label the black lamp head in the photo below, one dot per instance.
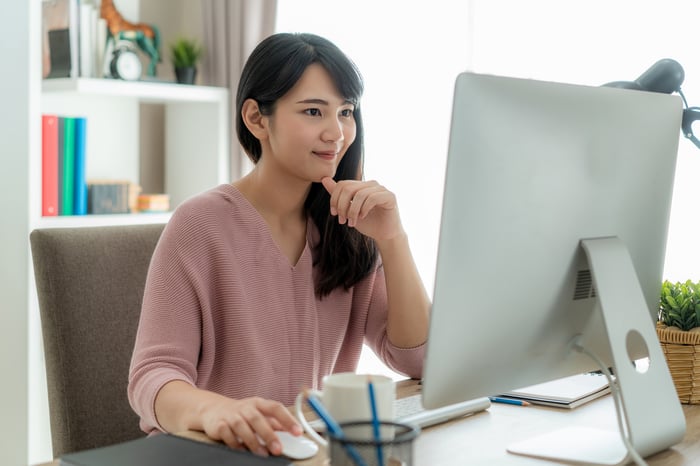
(664, 76)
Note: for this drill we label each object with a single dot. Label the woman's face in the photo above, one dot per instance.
(311, 127)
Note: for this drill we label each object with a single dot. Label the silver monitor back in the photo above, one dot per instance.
(534, 168)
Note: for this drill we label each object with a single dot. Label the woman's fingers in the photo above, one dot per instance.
(365, 205)
(367, 199)
(283, 419)
(225, 434)
(353, 200)
(252, 426)
(251, 423)
(271, 410)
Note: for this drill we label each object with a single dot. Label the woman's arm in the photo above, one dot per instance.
(409, 306)
(179, 407)
(373, 211)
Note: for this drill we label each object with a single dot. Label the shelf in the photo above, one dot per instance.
(71, 221)
(144, 90)
(188, 140)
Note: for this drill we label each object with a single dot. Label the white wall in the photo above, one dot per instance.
(18, 131)
(597, 41)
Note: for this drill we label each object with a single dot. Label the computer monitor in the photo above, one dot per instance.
(553, 231)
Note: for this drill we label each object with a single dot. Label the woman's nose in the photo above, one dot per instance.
(333, 130)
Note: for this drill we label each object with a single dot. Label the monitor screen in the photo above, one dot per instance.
(534, 168)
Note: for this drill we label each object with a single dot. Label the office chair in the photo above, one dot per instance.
(90, 284)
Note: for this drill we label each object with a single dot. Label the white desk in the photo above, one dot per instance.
(482, 439)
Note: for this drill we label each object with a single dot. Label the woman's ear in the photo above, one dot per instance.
(254, 120)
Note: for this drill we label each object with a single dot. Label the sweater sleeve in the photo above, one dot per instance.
(406, 361)
(168, 339)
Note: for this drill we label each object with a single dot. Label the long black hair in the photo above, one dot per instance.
(344, 255)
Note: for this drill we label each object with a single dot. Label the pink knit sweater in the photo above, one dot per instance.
(225, 311)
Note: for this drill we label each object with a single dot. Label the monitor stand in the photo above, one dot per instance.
(654, 417)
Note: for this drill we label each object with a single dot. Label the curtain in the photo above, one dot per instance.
(232, 29)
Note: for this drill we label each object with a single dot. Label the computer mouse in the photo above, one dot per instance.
(296, 448)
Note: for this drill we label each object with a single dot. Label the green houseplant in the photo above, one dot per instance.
(185, 54)
(678, 329)
(679, 306)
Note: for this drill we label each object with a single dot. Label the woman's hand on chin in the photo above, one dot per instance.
(366, 206)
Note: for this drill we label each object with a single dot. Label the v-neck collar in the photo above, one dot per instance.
(264, 227)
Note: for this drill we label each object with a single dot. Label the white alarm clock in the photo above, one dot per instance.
(125, 62)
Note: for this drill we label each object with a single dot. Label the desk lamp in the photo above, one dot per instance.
(665, 76)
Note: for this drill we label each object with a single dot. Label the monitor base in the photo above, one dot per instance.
(575, 445)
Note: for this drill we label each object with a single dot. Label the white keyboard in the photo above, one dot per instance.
(410, 410)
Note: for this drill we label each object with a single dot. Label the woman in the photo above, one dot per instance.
(261, 288)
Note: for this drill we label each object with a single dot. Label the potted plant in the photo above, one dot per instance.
(678, 329)
(185, 54)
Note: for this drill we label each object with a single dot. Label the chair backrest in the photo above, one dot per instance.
(90, 284)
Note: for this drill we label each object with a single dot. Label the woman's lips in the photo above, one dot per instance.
(326, 155)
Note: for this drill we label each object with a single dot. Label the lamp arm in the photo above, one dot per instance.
(690, 115)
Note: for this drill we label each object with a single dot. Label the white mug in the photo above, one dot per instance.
(345, 396)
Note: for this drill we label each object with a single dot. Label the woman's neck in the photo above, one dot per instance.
(274, 198)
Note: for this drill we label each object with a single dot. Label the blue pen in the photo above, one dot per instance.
(333, 427)
(508, 401)
(375, 421)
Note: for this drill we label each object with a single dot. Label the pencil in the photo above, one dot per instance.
(508, 401)
(375, 421)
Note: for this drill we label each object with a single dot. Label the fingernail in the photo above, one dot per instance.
(351, 222)
(276, 447)
(334, 211)
(262, 451)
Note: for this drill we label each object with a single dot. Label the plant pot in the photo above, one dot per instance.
(682, 352)
(186, 75)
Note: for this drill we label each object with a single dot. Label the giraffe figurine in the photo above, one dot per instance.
(146, 36)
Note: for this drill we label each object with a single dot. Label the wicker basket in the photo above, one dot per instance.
(682, 351)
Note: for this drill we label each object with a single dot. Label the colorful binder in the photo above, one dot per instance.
(68, 166)
(49, 165)
(79, 181)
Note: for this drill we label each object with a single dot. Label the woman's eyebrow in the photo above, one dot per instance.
(321, 102)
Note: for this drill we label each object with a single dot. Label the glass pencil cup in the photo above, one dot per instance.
(358, 446)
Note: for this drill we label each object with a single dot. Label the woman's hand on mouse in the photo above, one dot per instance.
(365, 205)
(242, 423)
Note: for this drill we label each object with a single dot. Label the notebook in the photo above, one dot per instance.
(168, 450)
(568, 392)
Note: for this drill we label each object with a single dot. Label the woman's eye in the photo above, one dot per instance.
(346, 112)
(313, 112)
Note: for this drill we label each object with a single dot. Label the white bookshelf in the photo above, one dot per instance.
(195, 139)
(72, 221)
(195, 133)
(147, 91)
